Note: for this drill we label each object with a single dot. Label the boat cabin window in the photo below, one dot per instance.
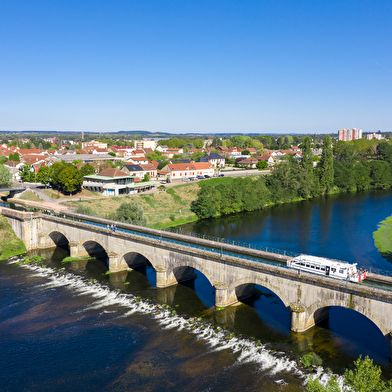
(322, 268)
(311, 265)
(333, 269)
(307, 265)
(317, 267)
(341, 271)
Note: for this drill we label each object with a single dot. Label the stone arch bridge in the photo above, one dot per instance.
(175, 257)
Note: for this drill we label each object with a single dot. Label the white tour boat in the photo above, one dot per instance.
(322, 266)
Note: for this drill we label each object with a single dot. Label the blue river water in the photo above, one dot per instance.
(81, 330)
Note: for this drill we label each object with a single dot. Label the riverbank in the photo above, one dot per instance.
(10, 244)
(383, 237)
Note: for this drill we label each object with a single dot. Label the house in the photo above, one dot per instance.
(247, 162)
(173, 151)
(268, 157)
(134, 170)
(14, 167)
(137, 160)
(94, 144)
(215, 159)
(252, 150)
(162, 148)
(233, 152)
(150, 169)
(178, 171)
(109, 182)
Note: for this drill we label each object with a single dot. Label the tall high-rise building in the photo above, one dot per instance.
(349, 134)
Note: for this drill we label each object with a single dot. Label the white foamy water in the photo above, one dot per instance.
(216, 338)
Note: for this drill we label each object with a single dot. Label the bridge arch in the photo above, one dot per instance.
(181, 272)
(326, 304)
(234, 291)
(58, 237)
(93, 247)
(135, 258)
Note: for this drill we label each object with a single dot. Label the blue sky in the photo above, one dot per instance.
(196, 66)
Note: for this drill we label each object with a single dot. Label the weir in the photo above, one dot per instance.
(175, 257)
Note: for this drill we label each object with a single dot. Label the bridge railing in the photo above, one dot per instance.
(236, 243)
(216, 250)
(237, 255)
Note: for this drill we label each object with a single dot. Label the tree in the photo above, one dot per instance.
(325, 166)
(216, 142)
(131, 212)
(5, 176)
(162, 164)
(314, 385)
(345, 153)
(384, 151)
(245, 152)
(307, 156)
(70, 179)
(27, 173)
(207, 204)
(44, 175)
(14, 157)
(146, 178)
(380, 174)
(87, 170)
(366, 377)
(261, 165)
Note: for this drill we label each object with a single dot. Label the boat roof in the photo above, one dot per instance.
(323, 261)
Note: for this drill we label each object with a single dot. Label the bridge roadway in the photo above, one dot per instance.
(232, 271)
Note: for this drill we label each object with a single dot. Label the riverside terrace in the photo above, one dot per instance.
(233, 271)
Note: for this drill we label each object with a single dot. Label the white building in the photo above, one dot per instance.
(376, 136)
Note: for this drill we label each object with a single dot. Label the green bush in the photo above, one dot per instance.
(311, 359)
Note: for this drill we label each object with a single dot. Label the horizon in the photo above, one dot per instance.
(205, 67)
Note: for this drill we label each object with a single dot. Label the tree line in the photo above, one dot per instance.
(342, 168)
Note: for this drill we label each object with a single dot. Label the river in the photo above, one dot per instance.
(81, 330)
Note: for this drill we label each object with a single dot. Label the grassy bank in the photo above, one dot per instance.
(30, 195)
(10, 244)
(164, 208)
(383, 236)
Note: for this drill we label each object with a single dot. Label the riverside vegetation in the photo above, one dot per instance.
(346, 168)
(383, 238)
(10, 244)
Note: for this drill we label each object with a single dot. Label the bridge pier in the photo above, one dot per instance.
(178, 275)
(302, 321)
(222, 295)
(115, 264)
(75, 251)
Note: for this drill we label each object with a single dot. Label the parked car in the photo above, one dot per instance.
(163, 182)
(200, 177)
(221, 175)
(185, 179)
(207, 176)
(192, 178)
